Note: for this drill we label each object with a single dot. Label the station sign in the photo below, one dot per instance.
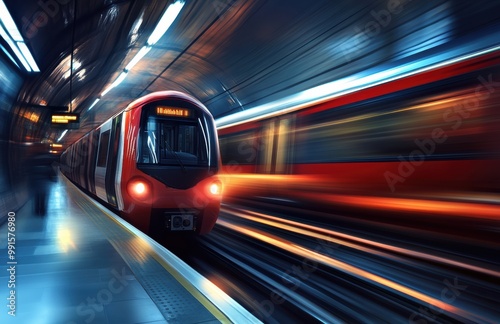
(64, 119)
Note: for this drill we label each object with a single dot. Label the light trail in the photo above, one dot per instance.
(325, 234)
(442, 207)
(351, 270)
(463, 209)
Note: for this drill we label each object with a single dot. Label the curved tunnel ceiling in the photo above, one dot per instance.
(232, 55)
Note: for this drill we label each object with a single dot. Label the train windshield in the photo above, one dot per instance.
(172, 135)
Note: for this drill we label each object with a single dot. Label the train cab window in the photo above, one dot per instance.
(149, 144)
(173, 140)
(180, 142)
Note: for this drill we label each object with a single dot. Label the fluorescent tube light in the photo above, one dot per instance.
(105, 91)
(94, 103)
(8, 55)
(143, 51)
(62, 135)
(118, 80)
(9, 23)
(14, 48)
(347, 85)
(166, 20)
(27, 54)
(163, 25)
(16, 42)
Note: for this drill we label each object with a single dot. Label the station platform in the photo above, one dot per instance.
(82, 264)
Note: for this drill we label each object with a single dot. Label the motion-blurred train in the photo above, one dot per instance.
(430, 131)
(156, 164)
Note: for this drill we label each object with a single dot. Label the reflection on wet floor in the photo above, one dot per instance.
(68, 272)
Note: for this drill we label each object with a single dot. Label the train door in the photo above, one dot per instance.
(276, 141)
(102, 158)
(112, 161)
(267, 142)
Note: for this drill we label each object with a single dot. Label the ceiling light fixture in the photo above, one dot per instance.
(62, 135)
(143, 51)
(15, 40)
(8, 54)
(9, 23)
(94, 103)
(163, 25)
(165, 22)
(118, 80)
(14, 48)
(27, 55)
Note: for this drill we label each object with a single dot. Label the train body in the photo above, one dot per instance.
(434, 132)
(156, 164)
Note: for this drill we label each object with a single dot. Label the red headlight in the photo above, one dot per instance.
(139, 189)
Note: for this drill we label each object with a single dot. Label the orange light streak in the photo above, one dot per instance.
(473, 210)
(252, 183)
(313, 231)
(347, 268)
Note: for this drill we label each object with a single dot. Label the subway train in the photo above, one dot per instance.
(156, 164)
(432, 131)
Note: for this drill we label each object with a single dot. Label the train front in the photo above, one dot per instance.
(177, 159)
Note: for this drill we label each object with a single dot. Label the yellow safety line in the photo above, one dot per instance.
(216, 312)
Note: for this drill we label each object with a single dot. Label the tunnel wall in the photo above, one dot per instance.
(10, 81)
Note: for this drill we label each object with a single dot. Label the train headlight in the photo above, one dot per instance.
(215, 188)
(139, 189)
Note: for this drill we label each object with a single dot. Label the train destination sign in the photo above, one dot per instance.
(173, 111)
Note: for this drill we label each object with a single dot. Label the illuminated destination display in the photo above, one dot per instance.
(173, 111)
(65, 118)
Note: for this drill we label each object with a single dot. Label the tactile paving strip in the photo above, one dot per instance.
(175, 303)
(171, 301)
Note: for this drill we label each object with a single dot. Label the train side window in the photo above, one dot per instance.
(240, 148)
(102, 156)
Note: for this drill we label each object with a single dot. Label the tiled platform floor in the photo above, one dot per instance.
(69, 271)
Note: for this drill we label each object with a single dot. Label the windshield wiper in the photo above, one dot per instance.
(176, 157)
